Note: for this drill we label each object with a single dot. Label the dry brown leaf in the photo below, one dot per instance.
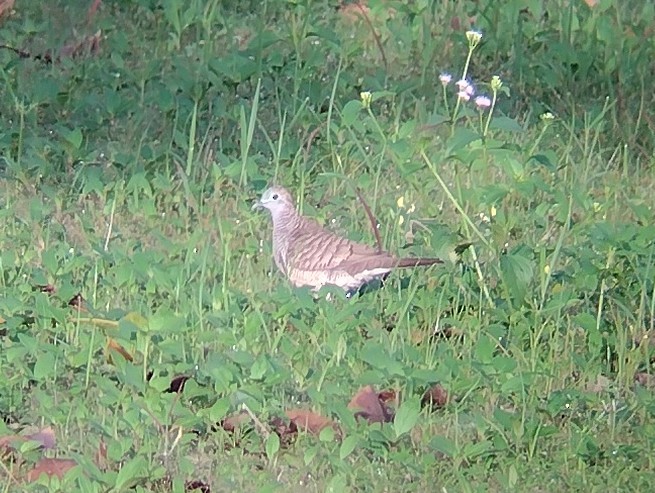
(436, 397)
(235, 421)
(112, 346)
(387, 396)
(286, 430)
(89, 45)
(353, 11)
(77, 301)
(601, 384)
(196, 485)
(50, 467)
(101, 456)
(90, 14)
(177, 383)
(366, 404)
(309, 421)
(6, 6)
(645, 379)
(7, 442)
(45, 437)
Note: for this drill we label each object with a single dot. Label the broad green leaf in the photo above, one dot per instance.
(518, 272)
(45, 365)
(347, 446)
(460, 139)
(350, 111)
(132, 472)
(272, 445)
(406, 416)
(444, 445)
(505, 123)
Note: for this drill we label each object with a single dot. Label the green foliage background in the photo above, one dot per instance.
(127, 176)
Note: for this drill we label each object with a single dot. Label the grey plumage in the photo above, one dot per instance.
(310, 255)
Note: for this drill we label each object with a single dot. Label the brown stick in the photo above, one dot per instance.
(376, 37)
(372, 220)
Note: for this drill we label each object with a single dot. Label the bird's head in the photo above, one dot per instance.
(276, 200)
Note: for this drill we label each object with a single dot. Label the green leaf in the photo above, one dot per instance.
(338, 484)
(473, 450)
(272, 445)
(347, 446)
(436, 119)
(131, 473)
(350, 112)
(444, 445)
(545, 161)
(259, 368)
(461, 138)
(506, 124)
(45, 366)
(73, 137)
(310, 454)
(327, 434)
(484, 349)
(406, 416)
(517, 273)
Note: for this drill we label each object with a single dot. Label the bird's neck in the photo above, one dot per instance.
(284, 223)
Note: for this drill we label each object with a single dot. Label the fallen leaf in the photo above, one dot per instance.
(591, 3)
(645, 379)
(77, 301)
(435, 397)
(353, 11)
(601, 384)
(7, 442)
(45, 437)
(112, 346)
(308, 421)
(386, 396)
(50, 467)
(287, 431)
(366, 404)
(196, 485)
(90, 14)
(6, 6)
(101, 456)
(231, 423)
(89, 45)
(177, 383)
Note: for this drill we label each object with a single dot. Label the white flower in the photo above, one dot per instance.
(482, 102)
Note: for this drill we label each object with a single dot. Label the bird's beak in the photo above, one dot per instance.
(257, 206)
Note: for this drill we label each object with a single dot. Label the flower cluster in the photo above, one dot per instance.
(466, 91)
(465, 88)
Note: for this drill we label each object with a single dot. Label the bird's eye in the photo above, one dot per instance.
(275, 196)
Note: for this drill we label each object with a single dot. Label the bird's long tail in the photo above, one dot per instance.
(417, 261)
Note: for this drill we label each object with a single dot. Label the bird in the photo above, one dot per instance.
(310, 255)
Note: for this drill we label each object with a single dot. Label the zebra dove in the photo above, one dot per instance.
(309, 255)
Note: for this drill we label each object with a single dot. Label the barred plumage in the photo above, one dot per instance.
(310, 255)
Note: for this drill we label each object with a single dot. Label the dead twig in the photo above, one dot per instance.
(372, 220)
